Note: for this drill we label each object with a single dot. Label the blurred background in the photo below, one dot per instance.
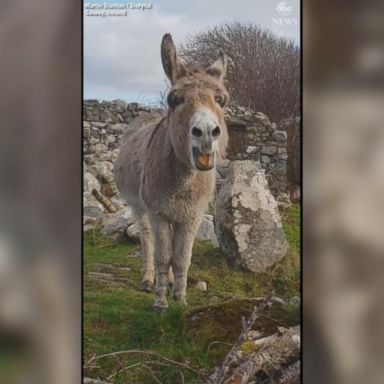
(40, 194)
(343, 189)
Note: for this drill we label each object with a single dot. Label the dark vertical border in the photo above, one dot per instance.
(301, 197)
(82, 189)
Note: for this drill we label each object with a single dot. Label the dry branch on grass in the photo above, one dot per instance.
(148, 353)
(276, 356)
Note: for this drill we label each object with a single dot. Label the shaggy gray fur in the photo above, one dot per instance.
(159, 173)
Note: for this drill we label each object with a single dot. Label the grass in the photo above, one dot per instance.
(118, 317)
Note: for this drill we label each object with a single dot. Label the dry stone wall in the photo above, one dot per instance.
(252, 137)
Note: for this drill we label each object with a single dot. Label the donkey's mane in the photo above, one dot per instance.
(154, 131)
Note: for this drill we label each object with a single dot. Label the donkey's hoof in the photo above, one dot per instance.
(180, 299)
(147, 286)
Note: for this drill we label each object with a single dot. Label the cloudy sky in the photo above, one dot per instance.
(122, 53)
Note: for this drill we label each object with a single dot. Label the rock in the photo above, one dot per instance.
(280, 135)
(247, 221)
(117, 128)
(133, 232)
(104, 171)
(109, 189)
(110, 139)
(235, 121)
(133, 106)
(91, 102)
(206, 231)
(87, 132)
(90, 183)
(265, 159)
(92, 213)
(294, 301)
(115, 224)
(118, 105)
(283, 200)
(201, 285)
(98, 125)
(269, 150)
(100, 147)
(251, 149)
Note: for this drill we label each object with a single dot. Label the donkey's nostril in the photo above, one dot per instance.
(216, 132)
(197, 132)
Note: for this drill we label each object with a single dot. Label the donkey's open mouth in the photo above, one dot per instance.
(203, 161)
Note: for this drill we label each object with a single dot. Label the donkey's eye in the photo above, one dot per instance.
(174, 101)
(220, 100)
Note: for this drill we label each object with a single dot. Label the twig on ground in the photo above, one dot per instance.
(131, 251)
(105, 245)
(182, 377)
(217, 342)
(150, 372)
(123, 370)
(148, 353)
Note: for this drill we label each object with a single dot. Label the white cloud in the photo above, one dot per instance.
(122, 54)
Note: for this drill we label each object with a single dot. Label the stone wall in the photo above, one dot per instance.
(104, 123)
(252, 137)
(293, 128)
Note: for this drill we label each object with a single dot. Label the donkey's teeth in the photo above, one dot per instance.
(204, 159)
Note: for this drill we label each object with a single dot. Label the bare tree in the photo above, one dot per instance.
(264, 70)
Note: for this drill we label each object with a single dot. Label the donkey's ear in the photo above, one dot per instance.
(173, 66)
(219, 68)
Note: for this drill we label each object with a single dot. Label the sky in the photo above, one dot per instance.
(122, 53)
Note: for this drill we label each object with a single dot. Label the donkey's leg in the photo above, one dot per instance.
(171, 278)
(146, 240)
(162, 234)
(183, 243)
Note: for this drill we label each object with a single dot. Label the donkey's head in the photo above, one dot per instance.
(196, 108)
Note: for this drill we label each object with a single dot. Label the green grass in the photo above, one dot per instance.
(118, 317)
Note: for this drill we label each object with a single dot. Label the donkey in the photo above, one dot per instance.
(166, 170)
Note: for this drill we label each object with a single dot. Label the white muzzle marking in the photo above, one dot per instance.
(205, 122)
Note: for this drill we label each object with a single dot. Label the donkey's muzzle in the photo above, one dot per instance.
(203, 161)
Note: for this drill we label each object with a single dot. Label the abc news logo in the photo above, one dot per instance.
(284, 11)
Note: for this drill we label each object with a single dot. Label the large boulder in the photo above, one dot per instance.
(247, 221)
(206, 231)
